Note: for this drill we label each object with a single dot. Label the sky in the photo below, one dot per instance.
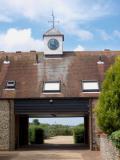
(65, 121)
(86, 25)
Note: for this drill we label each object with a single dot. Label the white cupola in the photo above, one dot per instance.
(53, 41)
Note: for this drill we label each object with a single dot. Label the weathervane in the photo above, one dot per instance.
(53, 21)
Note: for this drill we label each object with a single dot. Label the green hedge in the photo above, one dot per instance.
(39, 136)
(31, 134)
(78, 133)
(115, 137)
(36, 135)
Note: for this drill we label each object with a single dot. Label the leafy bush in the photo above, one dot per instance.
(78, 133)
(108, 106)
(39, 136)
(32, 134)
(115, 137)
(36, 134)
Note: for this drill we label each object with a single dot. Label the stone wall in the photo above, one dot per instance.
(94, 137)
(7, 135)
(108, 150)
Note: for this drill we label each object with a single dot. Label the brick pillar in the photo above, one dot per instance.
(7, 125)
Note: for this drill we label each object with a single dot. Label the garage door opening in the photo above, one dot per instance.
(68, 109)
(53, 132)
(57, 130)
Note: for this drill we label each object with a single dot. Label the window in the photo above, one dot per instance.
(51, 86)
(90, 86)
(6, 61)
(10, 84)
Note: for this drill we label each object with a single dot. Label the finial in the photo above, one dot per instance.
(53, 20)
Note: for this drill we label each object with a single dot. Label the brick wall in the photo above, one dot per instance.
(6, 125)
(108, 150)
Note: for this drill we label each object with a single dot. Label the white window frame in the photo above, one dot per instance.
(50, 90)
(10, 84)
(96, 88)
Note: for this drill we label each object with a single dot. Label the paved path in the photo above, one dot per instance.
(60, 140)
(54, 151)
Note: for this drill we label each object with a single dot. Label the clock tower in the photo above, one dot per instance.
(53, 41)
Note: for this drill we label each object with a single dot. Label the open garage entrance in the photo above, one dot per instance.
(58, 130)
(25, 108)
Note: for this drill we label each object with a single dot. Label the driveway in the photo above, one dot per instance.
(54, 149)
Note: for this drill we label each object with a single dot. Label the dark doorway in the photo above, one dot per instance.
(52, 107)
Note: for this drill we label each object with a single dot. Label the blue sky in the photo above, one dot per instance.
(65, 121)
(86, 24)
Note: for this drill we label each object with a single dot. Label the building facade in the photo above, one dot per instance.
(52, 83)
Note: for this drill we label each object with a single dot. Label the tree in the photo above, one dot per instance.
(36, 122)
(108, 106)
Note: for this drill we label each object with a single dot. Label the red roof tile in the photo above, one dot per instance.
(70, 69)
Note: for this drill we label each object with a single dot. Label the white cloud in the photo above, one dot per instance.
(67, 11)
(14, 40)
(116, 33)
(70, 13)
(104, 35)
(79, 48)
(80, 33)
(70, 10)
(84, 34)
(4, 18)
(109, 36)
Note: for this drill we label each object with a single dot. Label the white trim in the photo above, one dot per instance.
(9, 89)
(52, 57)
(51, 92)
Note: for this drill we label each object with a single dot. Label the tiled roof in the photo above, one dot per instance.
(70, 69)
(53, 32)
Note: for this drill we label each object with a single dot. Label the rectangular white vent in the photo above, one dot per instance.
(90, 86)
(51, 86)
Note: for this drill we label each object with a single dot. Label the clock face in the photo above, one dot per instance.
(53, 44)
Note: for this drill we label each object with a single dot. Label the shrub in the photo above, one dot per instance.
(115, 137)
(32, 134)
(108, 106)
(39, 136)
(78, 133)
(36, 134)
